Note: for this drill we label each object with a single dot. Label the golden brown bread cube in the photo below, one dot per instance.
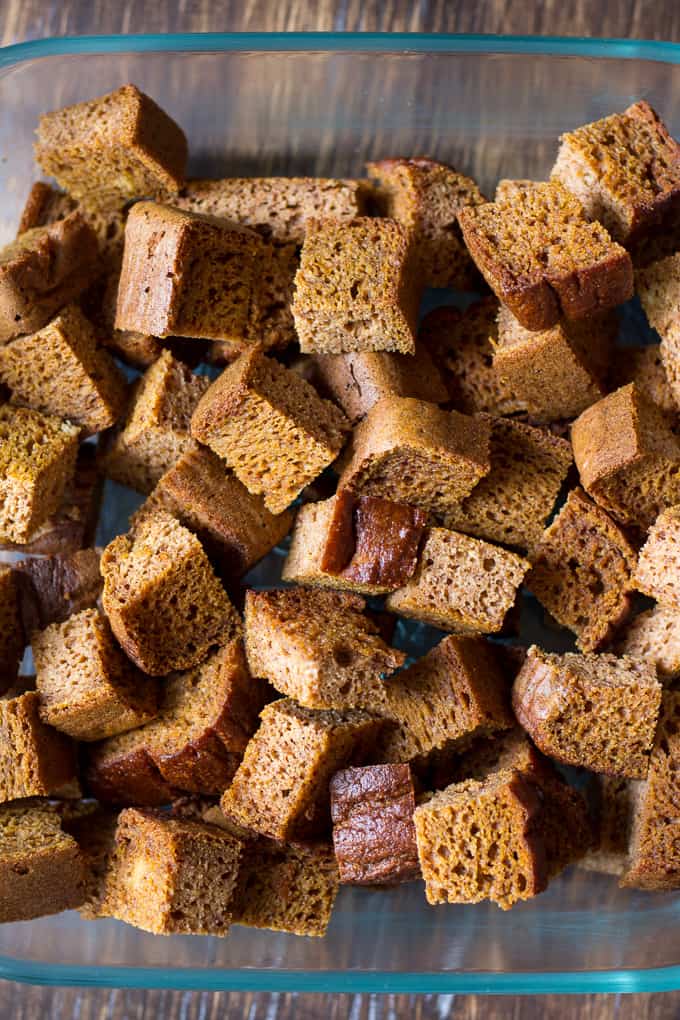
(543, 259)
(155, 432)
(657, 562)
(582, 571)
(35, 760)
(658, 287)
(555, 373)
(374, 837)
(413, 452)
(109, 150)
(363, 544)
(165, 605)
(88, 688)
(72, 526)
(461, 584)
(655, 635)
(625, 171)
(205, 718)
(42, 270)
(317, 647)
(653, 851)
(483, 839)
(454, 693)
(270, 426)
(41, 868)
(596, 711)
(170, 876)
(233, 525)
(425, 197)
(281, 787)
(627, 457)
(355, 289)
(185, 275)
(511, 504)
(37, 460)
(61, 371)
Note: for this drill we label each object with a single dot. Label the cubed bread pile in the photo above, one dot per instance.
(195, 751)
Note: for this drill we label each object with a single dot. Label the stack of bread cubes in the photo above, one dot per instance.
(193, 752)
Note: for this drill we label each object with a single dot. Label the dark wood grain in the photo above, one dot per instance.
(30, 19)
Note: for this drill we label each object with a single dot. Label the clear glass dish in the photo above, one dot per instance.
(322, 104)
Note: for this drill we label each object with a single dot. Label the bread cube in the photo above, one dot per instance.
(281, 787)
(582, 572)
(317, 647)
(289, 888)
(41, 868)
(359, 543)
(481, 840)
(654, 635)
(356, 289)
(461, 344)
(42, 270)
(412, 452)
(373, 832)
(455, 692)
(277, 207)
(93, 827)
(205, 718)
(625, 171)
(185, 274)
(511, 504)
(155, 433)
(88, 688)
(163, 600)
(425, 197)
(60, 371)
(359, 380)
(72, 526)
(461, 584)
(46, 205)
(596, 711)
(653, 851)
(168, 876)
(35, 760)
(233, 525)
(53, 588)
(270, 426)
(627, 457)
(109, 150)
(543, 259)
(37, 459)
(565, 825)
(558, 372)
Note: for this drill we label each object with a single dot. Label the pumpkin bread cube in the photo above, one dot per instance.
(109, 150)
(356, 289)
(270, 426)
(317, 647)
(595, 711)
(164, 603)
(88, 688)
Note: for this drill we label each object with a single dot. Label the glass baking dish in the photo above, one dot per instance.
(323, 104)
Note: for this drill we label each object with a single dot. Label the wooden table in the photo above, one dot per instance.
(31, 19)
